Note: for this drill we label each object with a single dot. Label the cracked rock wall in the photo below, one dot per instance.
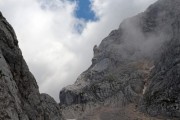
(19, 93)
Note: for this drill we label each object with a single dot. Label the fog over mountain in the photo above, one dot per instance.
(132, 74)
(48, 33)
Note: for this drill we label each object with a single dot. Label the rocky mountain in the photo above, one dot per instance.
(135, 71)
(135, 74)
(19, 94)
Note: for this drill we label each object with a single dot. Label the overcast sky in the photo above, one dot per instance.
(57, 36)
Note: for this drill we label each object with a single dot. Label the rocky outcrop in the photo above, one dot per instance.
(19, 94)
(162, 96)
(136, 64)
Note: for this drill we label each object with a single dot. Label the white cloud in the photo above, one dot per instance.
(54, 51)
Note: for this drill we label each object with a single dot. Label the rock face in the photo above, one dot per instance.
(19, 95)
(136, 65)
(162, 96)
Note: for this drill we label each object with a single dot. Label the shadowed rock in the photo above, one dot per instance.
(19, 93)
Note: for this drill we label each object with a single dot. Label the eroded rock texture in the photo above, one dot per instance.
(136, 65)
(163, 93)
(19, 95)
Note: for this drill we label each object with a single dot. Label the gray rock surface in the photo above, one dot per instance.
(19, 93)
(162, 96)
(136, 64)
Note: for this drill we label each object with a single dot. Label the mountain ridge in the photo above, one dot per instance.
(125, 69)
(134, 74)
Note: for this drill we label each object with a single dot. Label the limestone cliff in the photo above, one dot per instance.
(135, 69)
(19, 94)
(135, 74)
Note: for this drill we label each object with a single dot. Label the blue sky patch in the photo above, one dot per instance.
(84, 11)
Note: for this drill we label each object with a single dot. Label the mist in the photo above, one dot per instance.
(138, 43)
(54, 50)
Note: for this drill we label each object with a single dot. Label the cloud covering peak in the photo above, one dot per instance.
(56, 44)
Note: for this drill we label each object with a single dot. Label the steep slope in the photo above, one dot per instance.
(136, 65)
(163, 93)
(19, 95)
